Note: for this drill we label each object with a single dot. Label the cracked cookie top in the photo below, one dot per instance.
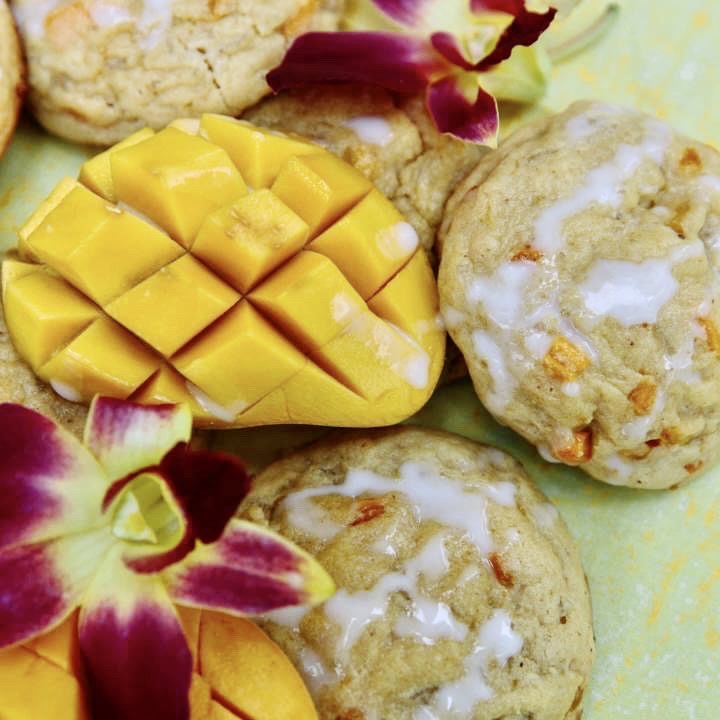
(100, 69)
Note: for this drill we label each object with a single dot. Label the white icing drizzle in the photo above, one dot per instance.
(621, 467)
(371, 129)
(496, 642)
(631, 292)
(31, 16)
(431, 496)
(452, 316)
(226, 413)
(502, 293)
(428, 620)
(342, 307)
(154, 22)
(414, 369)
(602, 185)
(314, 671)
(538, 343)
(289, 616)
(68, 392)
(109, 14)
(504, 382)
(636, 431)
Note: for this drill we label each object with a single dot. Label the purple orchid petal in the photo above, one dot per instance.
(41, 584)
(453, 113)
(395, 62)
(525, 28)
(449, 47)
(405, 12)
(126, 437)
(249, 570)
(137, 660)
(49, 483)
(210, 485)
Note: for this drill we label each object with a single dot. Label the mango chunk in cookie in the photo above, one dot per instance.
(100, 70)
(460, 593)
(579, 277)
(249, 273)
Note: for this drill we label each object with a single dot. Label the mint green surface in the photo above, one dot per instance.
(652, 558)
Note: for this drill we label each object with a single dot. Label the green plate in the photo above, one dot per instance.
(652, 558)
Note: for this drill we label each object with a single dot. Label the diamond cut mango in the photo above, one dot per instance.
(304, 300)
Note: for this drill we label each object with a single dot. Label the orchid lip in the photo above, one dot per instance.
(145, 512)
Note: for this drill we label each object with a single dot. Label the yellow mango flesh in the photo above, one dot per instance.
(176, 179)
(238, 673)
(304, 299)
(96, 173)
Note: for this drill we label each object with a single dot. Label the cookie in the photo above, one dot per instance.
(392, 141)
(11, 76)
(579, 278)
(100, 69)
(460, 593)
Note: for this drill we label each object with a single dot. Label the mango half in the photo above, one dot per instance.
(238, 673)
(248, 273)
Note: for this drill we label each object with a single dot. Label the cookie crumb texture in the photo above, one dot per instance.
(579, 277)
(393, 142)
(460, 591)
(100, 69)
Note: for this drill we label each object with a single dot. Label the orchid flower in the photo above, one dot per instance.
(448, 49)
(123, 527)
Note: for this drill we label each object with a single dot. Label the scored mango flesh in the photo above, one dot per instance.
(250, 274)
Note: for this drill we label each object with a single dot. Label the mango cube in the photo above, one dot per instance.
(405, 302)
(369, 355)
(320, 188)
(96, 173)
(369, 244)
(245, 241)
(100, 249)
(312, 284)
(104, 359)
(173, 305)
(305, 300)
(258, 153)
(45, 313)
(176, 179)
(46, 206)
(239, 359)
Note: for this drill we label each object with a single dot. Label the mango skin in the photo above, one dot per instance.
(252, 275)
(241, 666)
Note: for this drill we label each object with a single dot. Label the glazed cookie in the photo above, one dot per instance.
(579, 278)
(460, 591)
(11, 76)
(99, 69)
(393, 142)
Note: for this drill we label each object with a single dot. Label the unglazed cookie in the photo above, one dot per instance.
(393, 142)
(460, 591)
(99, 69)
(11, 76)
(579, 278)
